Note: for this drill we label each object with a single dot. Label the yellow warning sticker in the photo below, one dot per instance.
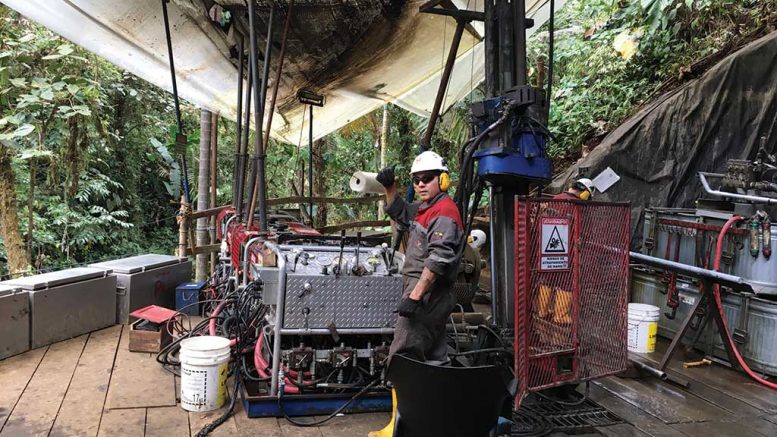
(652, 331)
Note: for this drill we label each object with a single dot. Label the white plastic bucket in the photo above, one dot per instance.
(643, 326)
(204, 368)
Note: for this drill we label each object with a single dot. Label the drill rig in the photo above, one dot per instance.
(311, 317)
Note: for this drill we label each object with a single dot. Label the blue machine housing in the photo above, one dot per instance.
(312, 404)
(517, 148)
(187, 297)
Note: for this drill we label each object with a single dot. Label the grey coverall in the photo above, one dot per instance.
(435, 236)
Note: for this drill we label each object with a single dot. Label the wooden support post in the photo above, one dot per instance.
(214, 153)
(183, 227)
(383, 148)
(203, 180)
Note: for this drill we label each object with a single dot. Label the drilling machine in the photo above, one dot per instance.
(311, 316)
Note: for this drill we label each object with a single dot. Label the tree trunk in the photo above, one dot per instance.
(384, 131)
(214, 153)
(203, 195)
(71, 157)
(9, 219)
(30, 209)
(319, 148)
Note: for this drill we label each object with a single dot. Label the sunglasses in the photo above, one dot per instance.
(423, 178)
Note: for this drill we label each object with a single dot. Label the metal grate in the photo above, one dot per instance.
(571, 292)
(538, 415)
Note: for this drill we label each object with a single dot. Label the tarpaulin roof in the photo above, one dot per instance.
(359, 54)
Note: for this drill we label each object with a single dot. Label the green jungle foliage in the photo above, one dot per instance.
(96, 175)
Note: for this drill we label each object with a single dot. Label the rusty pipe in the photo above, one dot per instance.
(278, 72)
(259, 191)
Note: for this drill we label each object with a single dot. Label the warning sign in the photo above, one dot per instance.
(554, 244)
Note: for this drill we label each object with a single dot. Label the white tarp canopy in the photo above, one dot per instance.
(404, 69)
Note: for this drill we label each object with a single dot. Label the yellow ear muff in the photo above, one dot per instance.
(585, 195)
(445, 181)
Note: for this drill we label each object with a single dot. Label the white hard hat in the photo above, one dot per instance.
(478, 238)
(428, 161)
(587, 183)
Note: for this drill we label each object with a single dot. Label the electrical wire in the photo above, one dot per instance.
(483, 351)
(567, 403)
(207, 429)
(331, 416)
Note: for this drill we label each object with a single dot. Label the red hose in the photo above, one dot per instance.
(719, 304)
(261, 364)
(212, 323)
(259, 361)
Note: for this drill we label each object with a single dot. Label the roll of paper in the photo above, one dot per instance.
(365, 183)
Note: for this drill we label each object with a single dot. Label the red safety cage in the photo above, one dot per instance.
(571, 291)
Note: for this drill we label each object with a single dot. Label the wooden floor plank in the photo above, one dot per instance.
(15, 374)
(138, 380)
(167, 422)
(760, 424)
(730, 382)
(621, 430)
(290, 430)
(354, 424)
(664, 401)
(129, 422)
(177, 388)
(721, 429)
(37, 408)
(640, 419)
(82, 408)
(197, 421)
(259, 426)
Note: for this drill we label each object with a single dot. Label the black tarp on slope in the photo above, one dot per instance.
(698, 127)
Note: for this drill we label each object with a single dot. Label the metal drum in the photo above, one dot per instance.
(759, 327)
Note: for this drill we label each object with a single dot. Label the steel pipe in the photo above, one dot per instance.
(660, 374)
(249, 243)
(280, 304)
(718, 277)
(345, 331)
(759, 199)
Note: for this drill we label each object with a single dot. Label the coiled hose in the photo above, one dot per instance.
(719, 304)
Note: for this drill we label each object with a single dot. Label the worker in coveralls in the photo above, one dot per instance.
(435, 236)
(581, 189)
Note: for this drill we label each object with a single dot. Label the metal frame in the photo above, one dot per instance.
(759, 199)
(708, 279)
(278, 331)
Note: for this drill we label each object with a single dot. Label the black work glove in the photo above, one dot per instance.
(409, 307)
(386, 177)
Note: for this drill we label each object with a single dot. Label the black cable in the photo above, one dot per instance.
(541, 427)
(482, 351)
(172, 67)
(492, 332)
(207, 429)
(331, 416)
(565, 403)
(551, 49)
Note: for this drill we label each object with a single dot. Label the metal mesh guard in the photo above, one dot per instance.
(571, 292)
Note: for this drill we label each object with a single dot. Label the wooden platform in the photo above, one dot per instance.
(92, 385)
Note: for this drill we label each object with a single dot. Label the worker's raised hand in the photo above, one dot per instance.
(409, 307)
(386, 177)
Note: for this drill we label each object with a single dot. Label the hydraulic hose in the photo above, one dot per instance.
(261, 364)
(719, 304)
(212, 323)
